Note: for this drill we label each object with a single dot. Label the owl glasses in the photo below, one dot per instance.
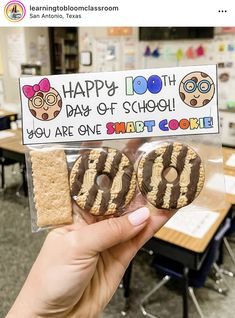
(203, 86)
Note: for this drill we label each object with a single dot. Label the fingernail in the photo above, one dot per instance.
(139, 216)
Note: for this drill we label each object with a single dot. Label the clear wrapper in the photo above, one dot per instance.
(108, 178)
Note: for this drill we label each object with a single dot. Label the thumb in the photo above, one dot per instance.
(102, 235)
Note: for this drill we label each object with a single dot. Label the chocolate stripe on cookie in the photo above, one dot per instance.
(92, 196)
(104, 202)
(194, 178)
(102, 159)
(89, 177)
(126, 181)
(107, 167)
(179, 167)
(147, 173)
(81, 166)
(115, 164)
(181, 159)
(169, 187)
(162, 185)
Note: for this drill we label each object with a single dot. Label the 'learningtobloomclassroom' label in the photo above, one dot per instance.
(115, 105)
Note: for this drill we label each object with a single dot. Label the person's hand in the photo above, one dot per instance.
(80, 266)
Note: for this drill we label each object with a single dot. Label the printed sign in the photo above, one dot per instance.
(115, 105)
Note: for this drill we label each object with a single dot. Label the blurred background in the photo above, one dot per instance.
(44, 51)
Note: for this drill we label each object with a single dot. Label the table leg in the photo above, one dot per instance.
(25, 186)
(126, 286)
(185, 293)
(220, 260)
(2, 175)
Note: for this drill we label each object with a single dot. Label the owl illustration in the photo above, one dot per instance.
(44, 101)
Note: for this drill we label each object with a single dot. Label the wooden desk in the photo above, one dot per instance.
(16, 135)
(11, 147)
(188, 251)
(188, 242)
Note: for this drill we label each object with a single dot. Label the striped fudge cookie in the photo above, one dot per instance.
(102, 181)
(153, 178)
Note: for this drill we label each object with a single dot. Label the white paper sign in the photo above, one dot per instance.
(194, 221)
(115, 105)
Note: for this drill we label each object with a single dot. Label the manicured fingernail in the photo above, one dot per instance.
(139, 216)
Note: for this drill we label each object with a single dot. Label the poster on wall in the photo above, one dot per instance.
(107, 55)
(15, 57)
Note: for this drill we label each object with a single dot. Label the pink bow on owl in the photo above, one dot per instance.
(43, 86)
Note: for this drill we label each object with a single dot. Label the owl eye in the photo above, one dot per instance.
(37, 101)
(51, 99)
(190, 86)
(204, 86)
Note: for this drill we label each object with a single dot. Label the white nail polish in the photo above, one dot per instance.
(139, 216)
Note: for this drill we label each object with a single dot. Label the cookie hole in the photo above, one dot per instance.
(104, 182)
(170, 174)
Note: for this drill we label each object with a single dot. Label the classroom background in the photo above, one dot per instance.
(180, 272)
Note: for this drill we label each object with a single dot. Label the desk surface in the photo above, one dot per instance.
(13, 143)
(227, 152)
(189, 242)
(228, 170)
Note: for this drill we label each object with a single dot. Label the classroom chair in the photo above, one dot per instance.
(5, 162)
(8, 162)
(196, 279)
(230, 232)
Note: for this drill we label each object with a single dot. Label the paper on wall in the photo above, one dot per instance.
(194, 221)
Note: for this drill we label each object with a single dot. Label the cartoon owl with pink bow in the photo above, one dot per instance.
(44, 101)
